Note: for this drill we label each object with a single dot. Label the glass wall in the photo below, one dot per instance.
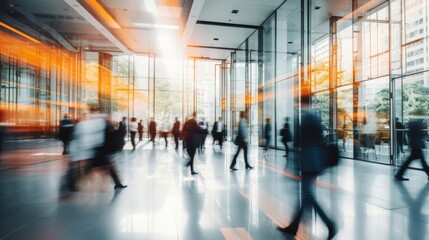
(39, 84)
(267, 83)
(357, 67)
(288, 50)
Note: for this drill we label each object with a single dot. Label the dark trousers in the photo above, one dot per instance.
(267, 142)
(309, 202)
(140, 135)
(218, 137)
(75, 172)
(132, 136)
(415, 154)
(103, 161)
(176, 140)
(286, 147)
(152, 137)
(191, 152)
(234, 160)
(66, 143)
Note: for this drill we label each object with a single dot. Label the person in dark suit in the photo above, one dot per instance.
(205, 131)
(241, 142)
(152, 130)
(192, 137)
(416, 142)
(122, 129)
(218, 132)
(140, 130)
(312, 164)
(399, 136)
(286, 135)
(176, 133)
(182, 133)
(267, 135)
(66, 129)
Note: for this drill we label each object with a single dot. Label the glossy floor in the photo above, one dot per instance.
(164, 201)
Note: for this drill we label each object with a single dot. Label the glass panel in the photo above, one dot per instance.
(373, 121)
(345, 121)
(414, 105)
(253, 79)
(375, 42)
(344, 52)
(268, 73)
(288, 50)
(415, 36)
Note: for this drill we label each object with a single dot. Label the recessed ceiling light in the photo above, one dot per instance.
(216, 39)
(289, 42)
(317, 7)
(86, 48)
(235, 11)
(65, 9)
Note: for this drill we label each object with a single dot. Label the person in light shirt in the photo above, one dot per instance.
(165, 129)
(133, 131)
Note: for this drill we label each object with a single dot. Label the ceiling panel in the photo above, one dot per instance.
(251, 12)
(228, 36)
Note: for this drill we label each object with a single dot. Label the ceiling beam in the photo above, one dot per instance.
(222, 24)
(212, 47)
(66, 44)
(197, 6)
(100, 27)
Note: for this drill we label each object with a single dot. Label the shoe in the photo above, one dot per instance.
(233, 169)
(193, 173)
(285, 155)
(288, 230)
(401, 178)
(249, 167)
(120, 186)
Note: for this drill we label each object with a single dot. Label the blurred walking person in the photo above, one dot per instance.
(152, 130)
(267, 135)
(66, 130)
(399, 136)
(313, 160)
(204, 127)
(416, 142)
(286, 135)
(241, 142)
(140, 130)
(91, 143)
(122, 129)
(192, 137)
(165, 130)
(133, 131)
(218, 132)
(176, 133)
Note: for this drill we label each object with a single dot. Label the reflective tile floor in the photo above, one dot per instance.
(164, 201)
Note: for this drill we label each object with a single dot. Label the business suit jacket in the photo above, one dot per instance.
(193, 133)
(176, 128)
(152, 128)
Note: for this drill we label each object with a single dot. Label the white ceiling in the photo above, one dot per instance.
(137, 34)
